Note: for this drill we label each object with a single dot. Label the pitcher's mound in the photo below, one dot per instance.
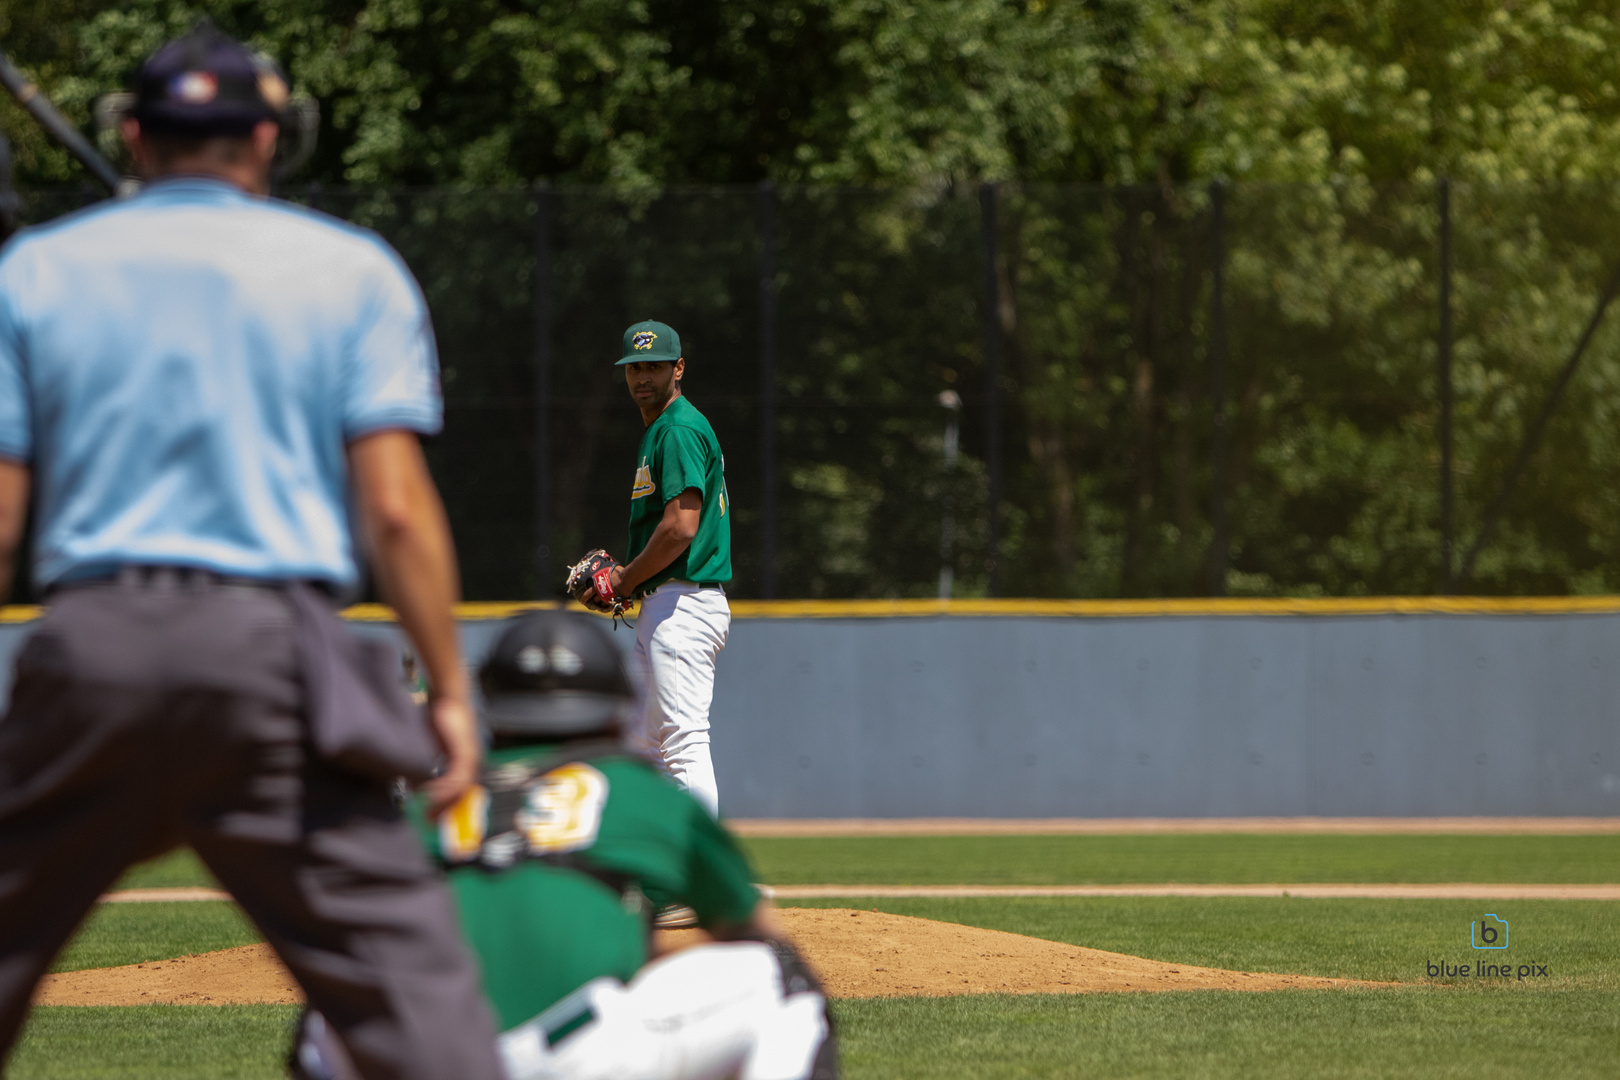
(248, 975)
(859, 954)
(873, 954)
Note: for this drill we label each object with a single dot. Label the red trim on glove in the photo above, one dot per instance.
(602, 582)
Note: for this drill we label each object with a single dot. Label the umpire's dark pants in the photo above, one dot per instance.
(150, 714)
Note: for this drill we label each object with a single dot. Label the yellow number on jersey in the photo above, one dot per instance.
(564, 811)
(461, 828)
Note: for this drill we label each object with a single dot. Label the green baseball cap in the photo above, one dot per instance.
(651, 340)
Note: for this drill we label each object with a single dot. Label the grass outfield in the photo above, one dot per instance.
(1563, 1025)
(1377, 1035)
(155, 1042)
(1214, 1034)
(117, 934)
(177, 868)
(1233, 858)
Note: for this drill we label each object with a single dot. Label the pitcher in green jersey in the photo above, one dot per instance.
(556, 859)
(680, 560)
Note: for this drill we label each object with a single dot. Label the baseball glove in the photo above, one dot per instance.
(592, 577)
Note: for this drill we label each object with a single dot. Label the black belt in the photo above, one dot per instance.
(147, 575)
(694, 584)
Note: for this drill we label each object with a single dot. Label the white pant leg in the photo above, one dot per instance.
(637, 735)
(679, 634)
(706, 1013)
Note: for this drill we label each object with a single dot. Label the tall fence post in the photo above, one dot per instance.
(1446, 557)
(767, 389)
(992, 377)
(542, 384)
(1218, 545)
(951, 402)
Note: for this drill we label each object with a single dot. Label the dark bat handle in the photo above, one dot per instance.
(9, 205)
(28, 95)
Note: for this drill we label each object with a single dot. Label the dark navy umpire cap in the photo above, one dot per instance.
(554, 675)
(207, 83)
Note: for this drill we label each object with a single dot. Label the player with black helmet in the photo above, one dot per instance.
(557, 858)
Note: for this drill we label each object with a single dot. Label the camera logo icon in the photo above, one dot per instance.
(1490, 932)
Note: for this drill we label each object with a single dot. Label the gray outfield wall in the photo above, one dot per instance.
(1173, 716)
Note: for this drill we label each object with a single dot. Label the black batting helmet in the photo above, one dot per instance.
(554, 675)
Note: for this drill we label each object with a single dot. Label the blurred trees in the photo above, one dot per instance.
(1332, 122)
(861, 91)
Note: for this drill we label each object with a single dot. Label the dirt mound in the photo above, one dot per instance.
(862, 954)
(248, 975)
(859, 954)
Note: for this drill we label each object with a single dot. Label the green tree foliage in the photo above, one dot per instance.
(1104, 121)
(859, 91)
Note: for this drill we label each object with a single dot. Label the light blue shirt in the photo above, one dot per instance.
(183, 369)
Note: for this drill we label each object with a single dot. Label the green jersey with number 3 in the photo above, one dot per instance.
(679, 451)
(555, 862)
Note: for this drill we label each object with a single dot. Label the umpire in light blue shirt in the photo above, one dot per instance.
(203, 386)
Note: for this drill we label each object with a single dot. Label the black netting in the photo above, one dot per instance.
(1070, 344)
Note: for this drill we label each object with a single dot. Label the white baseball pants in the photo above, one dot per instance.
(680, 630)
(705, 1013)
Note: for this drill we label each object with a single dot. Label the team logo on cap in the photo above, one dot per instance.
(273, 90)
(643, 340)
(194, 87)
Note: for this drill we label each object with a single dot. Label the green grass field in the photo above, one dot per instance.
(179, 867)
(1240, 858)
(155, 1042)
(116, 934)
(1220, 858)
(1564, 1024)
(1377, 1035)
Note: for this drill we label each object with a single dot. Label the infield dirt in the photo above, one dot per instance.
(859, 954)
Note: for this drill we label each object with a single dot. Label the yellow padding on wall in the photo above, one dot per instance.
(1358, 605)
(879, 609)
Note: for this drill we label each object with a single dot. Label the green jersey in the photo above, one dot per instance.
(679, 451)
(554, 860)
